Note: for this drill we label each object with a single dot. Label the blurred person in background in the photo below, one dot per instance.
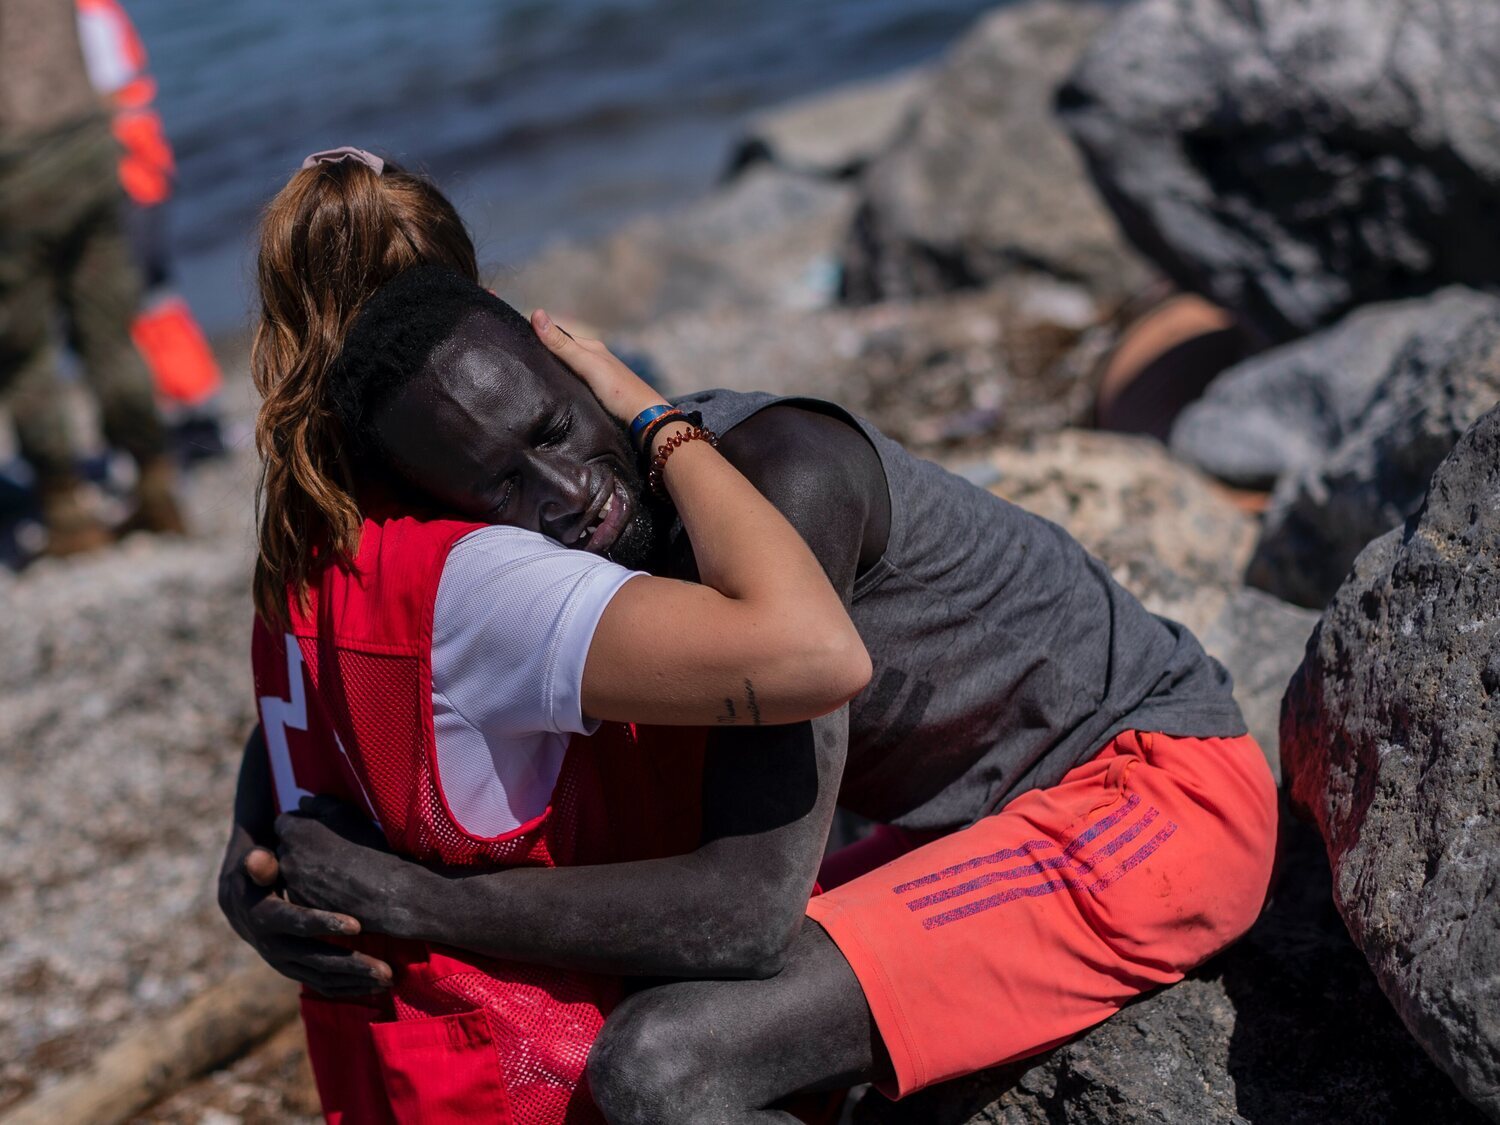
(186, 372)
(62, 250)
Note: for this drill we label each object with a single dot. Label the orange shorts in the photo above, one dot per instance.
(1016, 933)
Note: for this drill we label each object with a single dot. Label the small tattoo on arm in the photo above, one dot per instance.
(729, 715)
(750, 704)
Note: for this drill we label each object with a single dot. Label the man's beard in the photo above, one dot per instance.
(636, 546)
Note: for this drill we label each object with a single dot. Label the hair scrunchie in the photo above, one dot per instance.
(346, 152)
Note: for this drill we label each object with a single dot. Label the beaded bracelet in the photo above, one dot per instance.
(648, 432)
(659, 462)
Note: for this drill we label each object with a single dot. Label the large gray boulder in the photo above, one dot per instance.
(1293, 160)
(1288, 408)
(1389, 734)
(982, 182)
(1286, 1028)
(1322, 515)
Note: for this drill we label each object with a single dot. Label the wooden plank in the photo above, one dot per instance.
(155, 1059)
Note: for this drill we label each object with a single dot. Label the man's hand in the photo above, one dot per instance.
(290, 938)
(334, 860)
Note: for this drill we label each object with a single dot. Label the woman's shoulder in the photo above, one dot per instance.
(508, 578)
(504, 547)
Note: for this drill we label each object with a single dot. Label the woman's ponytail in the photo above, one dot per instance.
(333, 236)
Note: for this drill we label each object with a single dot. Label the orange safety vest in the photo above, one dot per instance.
(116, 61)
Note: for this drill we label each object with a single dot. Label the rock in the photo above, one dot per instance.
(1388, 732)
(982, 183)
(997, 364)
(1172, 538)
(1288, 408)
(1287, 1026)
(1167, 532)
(1370, 176)
(1261, 641)
(766, 243)
(1321, 516)
(832, 135)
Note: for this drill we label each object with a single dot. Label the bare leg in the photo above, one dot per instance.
(721, 1052)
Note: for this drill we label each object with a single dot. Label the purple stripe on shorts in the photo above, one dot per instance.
(968, 909)
(970, 864)
(1104, 851)
(1143, 853)
(1055, 883)
(1040, 867)
(1130, 805)
(1104, 825)
(1084, 865)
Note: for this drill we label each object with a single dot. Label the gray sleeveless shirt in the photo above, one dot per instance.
(1004, 653)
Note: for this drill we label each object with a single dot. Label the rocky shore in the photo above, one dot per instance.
(956, 254)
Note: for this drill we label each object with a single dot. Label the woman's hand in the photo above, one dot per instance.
(622, 392)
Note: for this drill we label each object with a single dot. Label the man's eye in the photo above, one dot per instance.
(507, 490)
(557, 430)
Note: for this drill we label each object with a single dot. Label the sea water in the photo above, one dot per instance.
(541, 118)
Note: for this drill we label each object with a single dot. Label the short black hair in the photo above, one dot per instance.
(395, 334)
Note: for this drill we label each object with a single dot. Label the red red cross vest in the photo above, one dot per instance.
(346, 705)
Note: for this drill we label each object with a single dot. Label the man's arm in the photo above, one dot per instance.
(728, 909)
(732, 907)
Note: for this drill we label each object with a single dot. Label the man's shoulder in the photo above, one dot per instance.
(823, 474)
(786, 442)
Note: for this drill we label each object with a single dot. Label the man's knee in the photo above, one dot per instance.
(647, 1066)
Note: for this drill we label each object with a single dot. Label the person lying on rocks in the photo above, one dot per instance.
(1071, 810)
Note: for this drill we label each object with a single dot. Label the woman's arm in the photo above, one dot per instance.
(763, 639)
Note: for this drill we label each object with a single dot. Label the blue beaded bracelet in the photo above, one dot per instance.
(646, 417)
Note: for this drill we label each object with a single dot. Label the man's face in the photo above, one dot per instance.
(508, 435)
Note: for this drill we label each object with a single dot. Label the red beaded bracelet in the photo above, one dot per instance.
(668, 447)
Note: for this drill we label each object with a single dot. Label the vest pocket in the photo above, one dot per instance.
(441, 1069)
(345, 1066)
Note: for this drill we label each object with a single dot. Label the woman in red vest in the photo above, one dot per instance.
(450, 673)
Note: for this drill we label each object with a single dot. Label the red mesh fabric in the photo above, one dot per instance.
(363, 691)
(543, 1022)
(393, 761)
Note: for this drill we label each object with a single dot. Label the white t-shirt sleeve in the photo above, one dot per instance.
(515, 615)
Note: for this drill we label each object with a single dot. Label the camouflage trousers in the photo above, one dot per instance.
(62, 250)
